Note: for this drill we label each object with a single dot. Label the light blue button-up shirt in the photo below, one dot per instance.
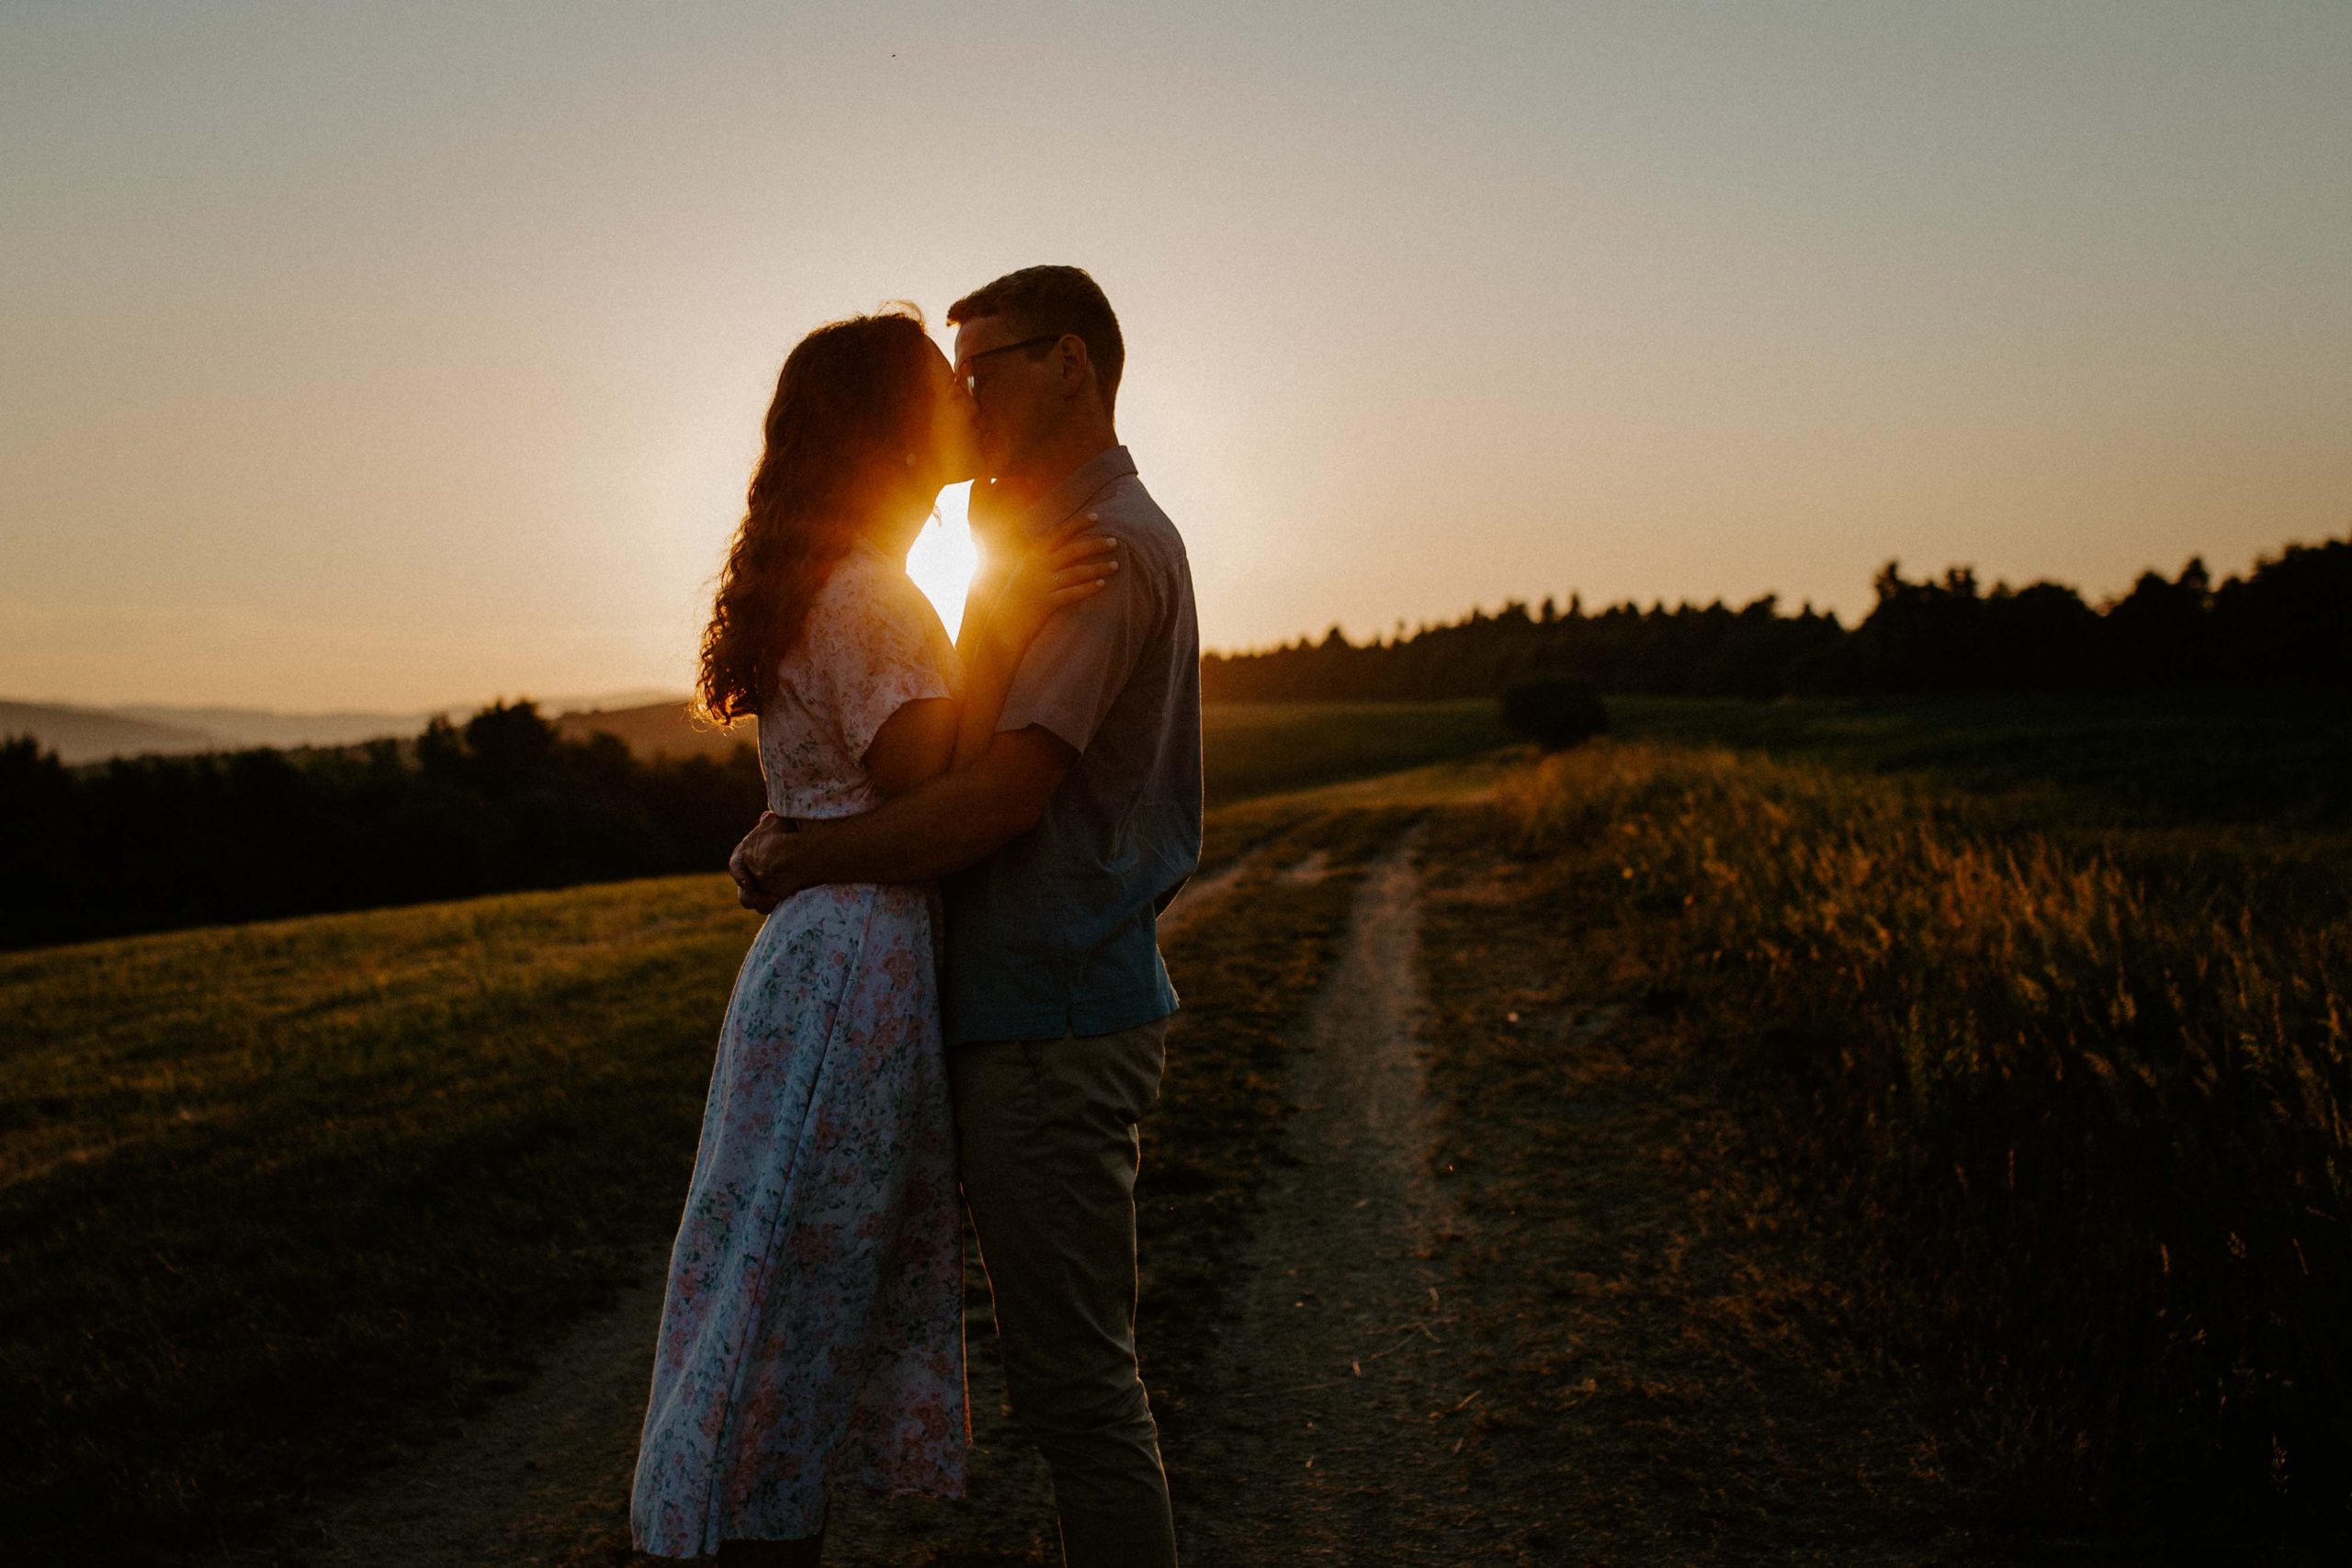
(1056, 932)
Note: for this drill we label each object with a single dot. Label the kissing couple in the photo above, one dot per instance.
(959, 982)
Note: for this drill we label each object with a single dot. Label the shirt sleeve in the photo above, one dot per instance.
(876, 649)
(1079, 662)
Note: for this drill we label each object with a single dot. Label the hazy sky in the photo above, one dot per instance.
(393, 354)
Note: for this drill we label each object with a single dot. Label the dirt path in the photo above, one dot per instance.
(1340, 1405)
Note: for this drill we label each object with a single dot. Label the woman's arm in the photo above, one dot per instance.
(1003, 614)
(915, 743)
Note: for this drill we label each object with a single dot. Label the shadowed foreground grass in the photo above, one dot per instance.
(2083, 1127)
(276, 1198)
(279, 1201)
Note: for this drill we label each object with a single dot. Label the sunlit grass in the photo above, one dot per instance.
(2091, 1118)
(276, 1197)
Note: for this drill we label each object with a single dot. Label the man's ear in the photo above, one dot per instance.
(1077, 368)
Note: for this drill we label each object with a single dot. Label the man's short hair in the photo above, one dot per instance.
(1056, 300)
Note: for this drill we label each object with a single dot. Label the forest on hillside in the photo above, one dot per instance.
(2288, 623)
(498, 803)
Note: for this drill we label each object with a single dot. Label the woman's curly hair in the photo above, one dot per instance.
(852, 402)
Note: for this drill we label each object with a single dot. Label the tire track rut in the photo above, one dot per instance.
(1340, 1405)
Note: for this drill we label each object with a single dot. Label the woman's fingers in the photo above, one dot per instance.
(1084, 571)
(1094, 550)
(1065, 565)
(1065, 532)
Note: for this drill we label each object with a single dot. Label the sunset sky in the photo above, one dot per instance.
(396, 355)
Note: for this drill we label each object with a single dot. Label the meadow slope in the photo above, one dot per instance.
(1841, 1158)
(281, 1201)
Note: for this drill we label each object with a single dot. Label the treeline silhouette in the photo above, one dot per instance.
(498, 804)
(2287, 623)
(504, 802)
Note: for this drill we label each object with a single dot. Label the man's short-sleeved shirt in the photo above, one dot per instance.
(1057, 932)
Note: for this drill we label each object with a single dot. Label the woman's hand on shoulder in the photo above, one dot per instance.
(1063, 568)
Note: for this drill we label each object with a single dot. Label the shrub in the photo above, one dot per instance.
(1556, 712)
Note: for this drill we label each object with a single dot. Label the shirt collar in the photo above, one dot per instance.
(1061, 503)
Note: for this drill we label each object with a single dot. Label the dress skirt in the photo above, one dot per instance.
(813, 1333)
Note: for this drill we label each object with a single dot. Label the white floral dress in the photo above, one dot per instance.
(812, 1335)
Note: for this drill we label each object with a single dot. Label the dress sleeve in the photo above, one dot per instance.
(875, 645)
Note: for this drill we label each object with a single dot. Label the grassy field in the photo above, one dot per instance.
(278, 1201)
(2273, 759)
(276, 1198)
(1659, 1325)
(2050, 1034)
(1254, 748)
(2082, 1129)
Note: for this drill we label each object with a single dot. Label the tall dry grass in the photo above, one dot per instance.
(2087, 1122)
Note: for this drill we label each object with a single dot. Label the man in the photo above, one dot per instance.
(1058, 849)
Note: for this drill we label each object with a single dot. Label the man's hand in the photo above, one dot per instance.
(758, 864)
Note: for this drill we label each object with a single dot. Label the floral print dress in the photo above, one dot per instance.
(813, 1333)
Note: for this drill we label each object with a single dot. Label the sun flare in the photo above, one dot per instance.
(943, 557)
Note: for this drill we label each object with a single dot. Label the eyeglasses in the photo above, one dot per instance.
(970, 378)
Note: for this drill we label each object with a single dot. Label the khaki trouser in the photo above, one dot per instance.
(1049, 1151)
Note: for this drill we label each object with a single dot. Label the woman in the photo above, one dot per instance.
(812, 1333)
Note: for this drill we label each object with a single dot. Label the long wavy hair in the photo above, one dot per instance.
(852, 402)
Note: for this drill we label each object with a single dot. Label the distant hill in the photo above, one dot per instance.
(635, 697)
(269, 727)
(92, 734)
(263, 726)
(658, 729)
(80, 735)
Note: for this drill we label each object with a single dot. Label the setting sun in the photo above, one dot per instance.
(944, 557)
